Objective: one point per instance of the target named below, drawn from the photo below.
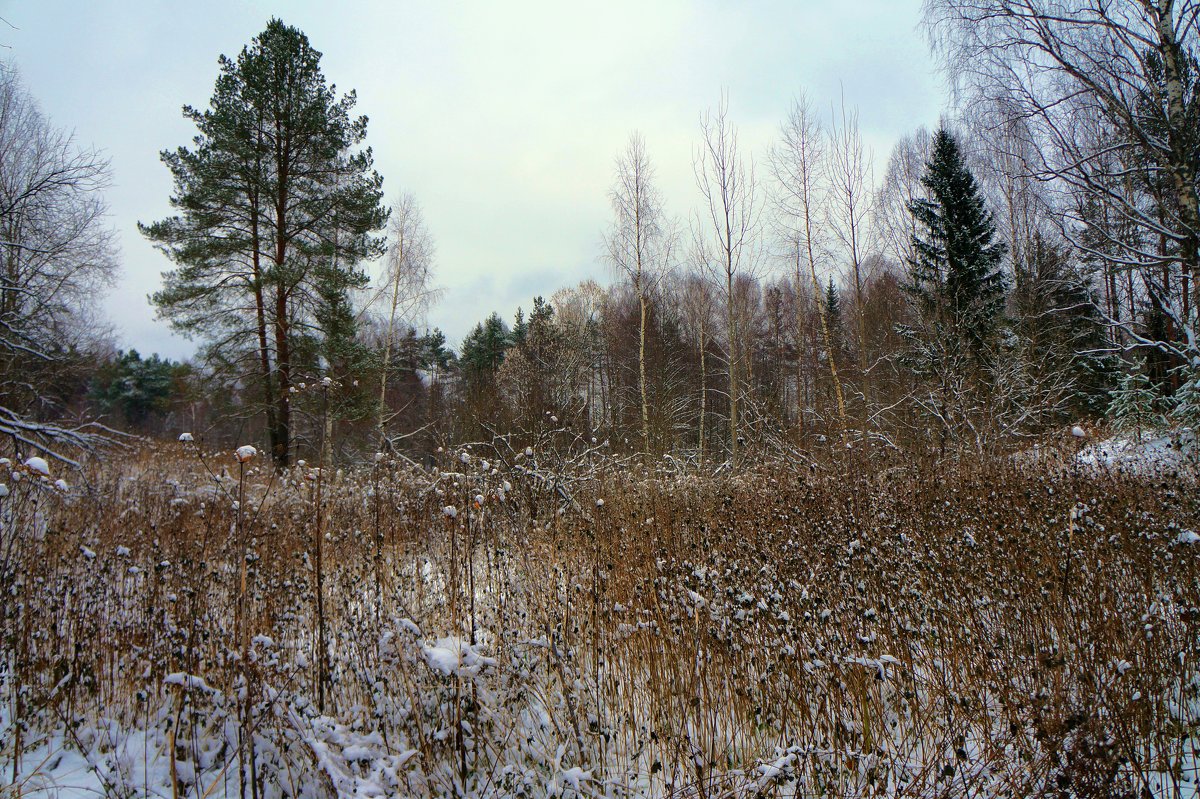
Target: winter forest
(863, 474)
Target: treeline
(1031, 263)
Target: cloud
(504, 119)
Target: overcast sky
(503, 119)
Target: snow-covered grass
(1147, 453)
(918, 631)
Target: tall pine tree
(275, 204)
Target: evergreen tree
(1185, 406)
(957, 290)
(275, 205)
(335, 319)
(955, 277)
(435, 356)
(1134, 405)
(1062, 338)
(483, 349)
(833, 317)
(136, 387)
(520, 329)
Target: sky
(503, 119)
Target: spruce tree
(955, 277)
(957, 290)
(1134, 405)
(1185, 406)
(833, 316)
(1063, 342)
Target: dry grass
(914, 631)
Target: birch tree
(799, 169)
(406, 288)
(639, 246)
(729, 218)
(1109, 92)
(849, 215)
(697, 307)
(57, 253)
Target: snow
(189, 681)
(186, 437)
(776, 769)
(450, 511)
(38, 465)
(452, 656)
(1151, 454)
(510, 692)
(1078, 432)
(245, 453)
(575, 775)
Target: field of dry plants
(517, 624)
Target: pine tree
(273, 199)
(483, 349)
(955, 277)
(435, 356)
(1134, 405)
(137, 387)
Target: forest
(1027, 266)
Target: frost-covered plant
(847, 633)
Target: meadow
(553, 621)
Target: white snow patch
(39, 465)
(452, 656)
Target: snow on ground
(1153, 453)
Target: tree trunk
(1182, 173)
(860, 312)
(731, 321)
(281, 441)
(387, 344)
(642, 376)
(260, 311)
(703, 386)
